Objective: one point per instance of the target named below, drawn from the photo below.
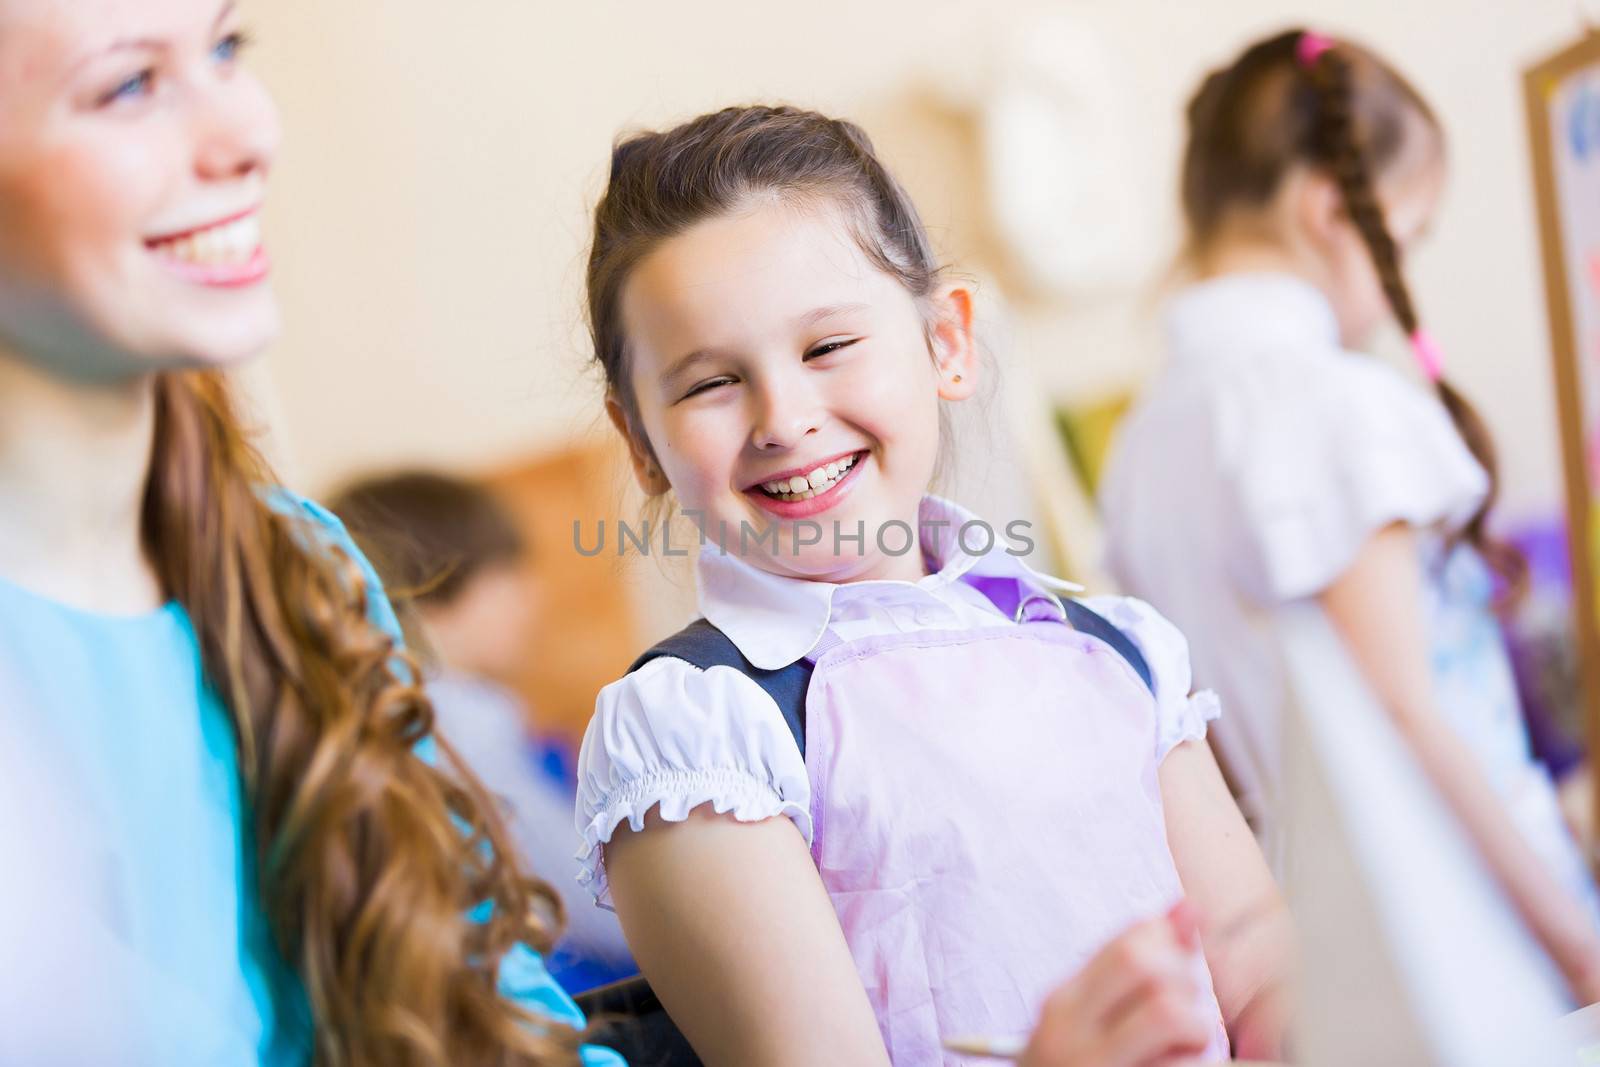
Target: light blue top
(148, 837)
(1472, 678)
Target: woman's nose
(237, 129)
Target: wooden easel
(1562, 94)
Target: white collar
(1246, 312)
(775, 621)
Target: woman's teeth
(231, 243)
(806, 486)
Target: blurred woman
(265, 870)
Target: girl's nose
(787, 411)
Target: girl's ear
(1319, 210)
(955, 352)
(649, 474)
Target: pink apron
(987, 817)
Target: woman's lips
(227, 254)
(223, 275)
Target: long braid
(1337, 143)
(1347, 157)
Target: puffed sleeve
(1181, 715)
(1321, 454)
(674, 736)
(329, 532)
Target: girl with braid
(1305, 470)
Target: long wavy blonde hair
(369, 859)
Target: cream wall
(429, 221)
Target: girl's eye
(829, 346)
(130, 88)
(227, 50)
(707, 386)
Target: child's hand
(1581, 965)
(1136, 1004)
(1258, 1034)
(1569, 937)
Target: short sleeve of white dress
(1324, 450)
(1181, 713)
(672, 736)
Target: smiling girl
(874, 799)
(244, 859)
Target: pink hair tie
(1311, 47)
(1429, 356)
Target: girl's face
(784, 383)
(134, 153)
(1410, 195)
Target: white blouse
(1251, 473)
(675, 736)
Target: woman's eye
(130, 88)
(829, 346)
(227, 50)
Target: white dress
(1250, 475)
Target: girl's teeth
(804, 487)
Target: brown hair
(368, 859)
(663, 183)
(428, 533)
(1348, 114)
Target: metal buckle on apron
(1022, 615)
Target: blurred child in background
(1273, 462)
(893, 788)
(457, 561)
